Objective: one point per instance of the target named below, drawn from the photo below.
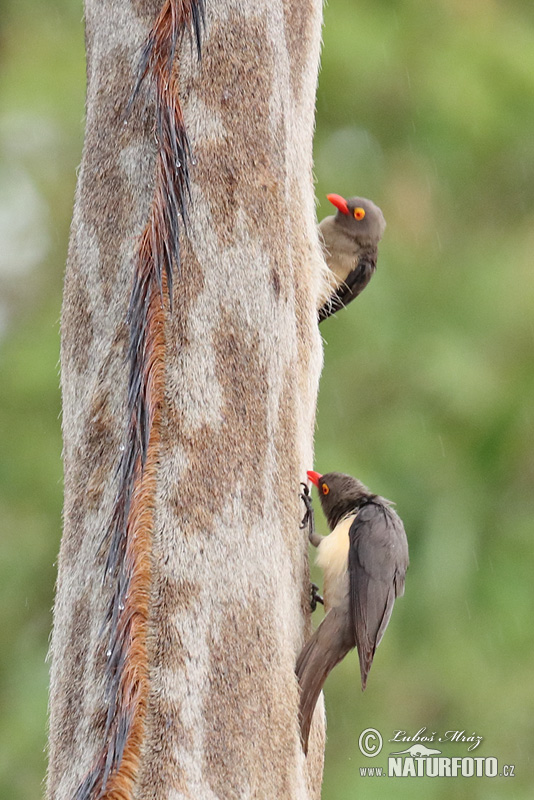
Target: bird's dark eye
(325, 488)
(359, 213)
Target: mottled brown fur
(250, 152)
(235, 682)
(235, 450)
(298, 28)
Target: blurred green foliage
(427, 388)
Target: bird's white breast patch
(333, 558)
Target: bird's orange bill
(339, 202)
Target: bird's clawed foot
(315, 597)
(308, 520)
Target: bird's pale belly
(342, 264)
(333, 557)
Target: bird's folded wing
(376, 557)
(352, 286)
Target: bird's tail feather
(326, 648)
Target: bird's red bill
(339, 202)
(314, 477)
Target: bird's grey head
(339, 494)
(359, 218)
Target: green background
(427, 388)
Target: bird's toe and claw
(315, 597)
(308, 520)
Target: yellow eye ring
(325, 488)
(359, 213)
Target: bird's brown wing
(352, 286)
(378, 559)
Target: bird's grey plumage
(376, 560)
(350, 248)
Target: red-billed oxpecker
(364, 561)
(350, 244)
